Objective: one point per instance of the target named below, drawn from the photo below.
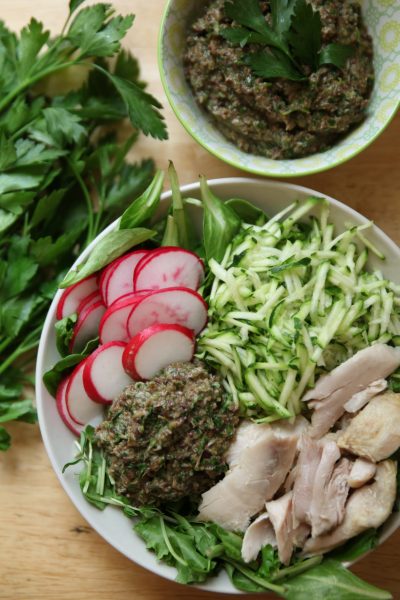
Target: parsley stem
(88, 200)
(31, 81)
(18, 352)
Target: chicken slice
(329, 507)
(258, 469)
(259, 534)
(375, 432)
(360, 399)
(368, 507)
(280, 513)
(306, 469)
(361, 473)
(334, 390)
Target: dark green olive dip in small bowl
(278, 117)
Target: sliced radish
(113, 325)
(63, 410)
(81, 408)
(169, 267)
(179, 306)
(120, 279)
(103, 280)
(104, 377)
(157, 347)
(87, 326)
(73, 296)
(89, 300)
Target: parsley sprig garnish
(64, 175)
(293, 41)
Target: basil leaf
(270, 64)
(246, 211)
(305, 33)
(144, 207)
(335, 54)
(64, 332)
(220, 223)
(331, 580)
(112, 246)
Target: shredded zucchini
(290, 300)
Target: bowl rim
(232, 162)
(47, 330)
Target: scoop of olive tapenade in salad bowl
(281, 88)
(216, 441)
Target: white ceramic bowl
(111, 524)
(382, 18)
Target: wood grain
(47, 551)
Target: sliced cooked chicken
(281, 516)
(360, 399)
(375, 432)
(368, 507)
(290, 479)
(319, 514)
(328, 508)
(258, 469)
(306, 469)
(335, 389)
(361, 473)
(259, 534)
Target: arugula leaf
(270, 64)
(144, 207)
(357, 546)
(112, 246)
(335, 54)
(220, 223)
(53, 376)
(331, 580)
(247, 212)
(305, 34)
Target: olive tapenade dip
(166, 439)
(279, 118)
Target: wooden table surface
(47, 551)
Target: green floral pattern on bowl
(383, 21)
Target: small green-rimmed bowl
(382, 18)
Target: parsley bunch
(63, 173)
(293, 41)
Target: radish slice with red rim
(104, 377)
(156, 347)
(121, 274)
(103, 280)
(179, 306)
(87, 326)
(73, 296)
(81, 408)
(113, 324)
(169, 267)
(63, 410)
(89, 300)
